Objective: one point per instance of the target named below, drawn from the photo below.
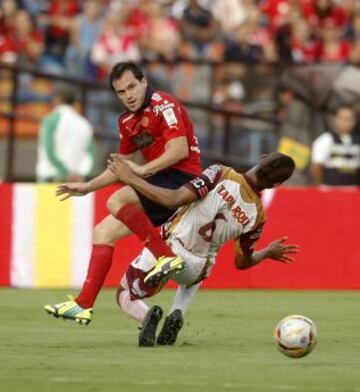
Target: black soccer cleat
(147, 335)
(172, 325)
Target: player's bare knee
(103, 235)
(112, 205)
(117, 200)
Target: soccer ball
(295, 336)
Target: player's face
(344, 121)
(130, 90)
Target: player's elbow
(240, 267)
(185, 152)
(182, 154)
(241, 262)
(172, 202)
(238, 262)
(169, 204)
(177, 202)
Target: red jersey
(66, 8)
(161, 119)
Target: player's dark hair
(274, 168)
(120, 68)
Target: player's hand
(65, 191)
(120, 167)
(141, 171)
(279, 251)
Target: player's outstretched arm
(170, 198)
(65, 191)
(276, 250)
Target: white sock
(136, 309)
(183, 297)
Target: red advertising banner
(322, 221)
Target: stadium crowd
(88, 37)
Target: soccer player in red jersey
(158, 126)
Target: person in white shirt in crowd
(336, 153)
(65, 146)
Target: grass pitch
(225, 345)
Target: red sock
(99, 265)
(139, 223)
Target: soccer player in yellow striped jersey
(218, 206)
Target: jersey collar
(147, 98)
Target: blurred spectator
(85, 29)
(355, 52)
(8, 10)
(19, 39)
(250, 41)
(135, 18)
(304, 47)
(58, 20)
(232, 13)
(28, 40)
(318, 12)
(174, 8)
(161, 38)
(352, 31)
(7, 49)
(65, 147)
(336, 154)
(114, 44)
(286, 32)
(34, 7)
(333, 48)
(241, 48)
(351, 9)
(199, 30)
(276, 12)
(261, 35)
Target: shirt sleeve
(48, 130)
(321, 148)
(206, 182)
(245, 244)
(127, 146)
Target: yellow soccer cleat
(165, 268)
(70, 310)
